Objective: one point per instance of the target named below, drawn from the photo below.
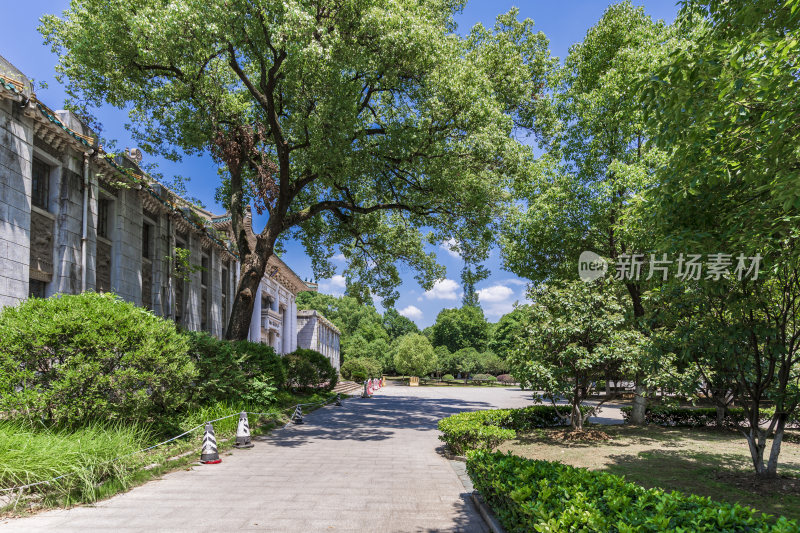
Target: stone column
(255, 319)
(293, 318)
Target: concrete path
(368, 466)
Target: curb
(486, 513)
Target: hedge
(692, 416)
(529, 495)
(487, 429)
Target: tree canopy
(367, 125)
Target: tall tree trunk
(253, 266)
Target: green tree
(467, 361)
(464, 327)
(726, 111)
(506, 331)
(597, 162)
(396, 325)
(414, 356)
(573, 334)
(355, 124)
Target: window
(147, 231)
(179, 284)
(147, 267)
(205, 264)
(36, 288)
(40, 189)
(225, 283)
(103, 208)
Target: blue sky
(564, 23)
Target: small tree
(574, 333)
(415, 355)
(467, 361)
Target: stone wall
(16, 153)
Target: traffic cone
(297, 417)
(338, 400)
(243, 433)
(209, 454)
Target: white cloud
(444, 289)
(496, 300)
(339, 257)
(449, 246)
(334, 286)
(515, 281)
(413, 312)
(495, 293)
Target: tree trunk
(775, 450)
(253, 265)
(721, 410)
(639, 405)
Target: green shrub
(487, 429)
(309, 369)
(506, 378)
(74, 358)
(528, 495)
(360, 368)
(693, 416)
(483, 377)
(448, 377)
(234, 370)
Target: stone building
(73, 218)
(316, 332)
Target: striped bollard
(209, 454)
(338, 400)
(243, 433)
(297, 417)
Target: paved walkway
(368, 466)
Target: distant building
(316, 332)
(73, 218)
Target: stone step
(346, 387)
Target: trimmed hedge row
(487, 429)
(693, 416)
(528, 495)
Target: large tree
(727, 112)
(356, 124)
(591, 124)
(464, 327)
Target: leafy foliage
(228, 369)
(573, 335)
(528, 495)
(72, 359)
(414, 355)
(464, 327)
(308, 369)
(362, 124)
(360, 369)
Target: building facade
(316, 332)
(73, 219)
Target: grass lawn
(701, 461)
